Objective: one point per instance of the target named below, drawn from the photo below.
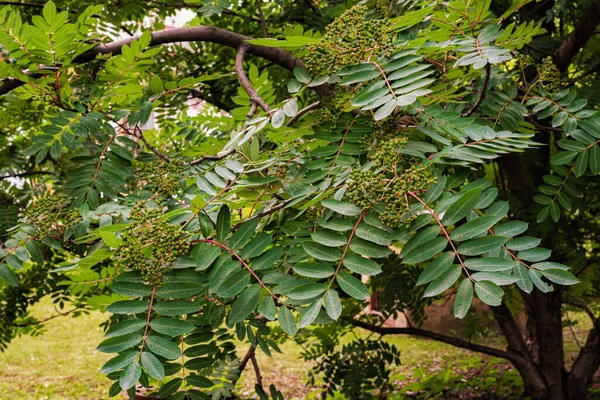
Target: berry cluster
(349, 40)
(550, 76)
(150, 244)
(162, 176)
(48, 213)
(389, 179)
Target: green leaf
(463, 299)
(332, 303)
(473, 228)
(313, 270)
(125, 327)
(120, 343)
(169, 388)
(482, 245)
(267, 308)
(172, 308)
(321, 252)
(245, 304)
(307, 291)
(267, 259)
(130, 375)
(153, 366)
(444, 281)
(287, 321)
(163, 347)
(111, 239)
(243, 234)
(435, 268)
(199, 381)
(329, 238)
(511, 228)
(523, 280)
(206, 256)
(8, 275)
(549, 265)
(462, 206)
(499, 278)
(560, 276)
(534, 255)
(310, 314)
(536, 278)
(368, 249)
(426, 251)
(223, 226)
(302, 75)
(178, 290)
(352, 286)
(360, 76)
(256, 246)
(171, 326)
(341, 207)
(131, 289)
(128, 307)
(373, 234)
(523, 243)
(420, 238)
(361, 265)
(595, 159)
(122, 360)
(489, 264)
(385, 111)
(234, 284)
(488, 292)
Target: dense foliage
(432, 146)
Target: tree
(383, 140)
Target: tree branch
(261, 15)
(305, 110)
(578, 38)
(584, 307)
(245, 82)
(482, 94)
(212, 158)
(193, 34)
(454, 341)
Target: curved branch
(245, 82)
(212, 158)
(454, 341)
(305, 110)
(193, 34)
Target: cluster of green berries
(163, 176)
(349, 40)
(332, 106)
(150, 244)
(550, 76)
(388, 181)
(48, 213)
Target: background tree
(420, 143)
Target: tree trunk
(584, 367)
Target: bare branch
(245, 82)
(584, 307)
(212, 158)
(482, 94)
(262, 18)
(193, 34)
(305, 110)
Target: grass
(62, 364)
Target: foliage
(204, 229)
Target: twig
(150, 147)
(262, 18)
(245, 82)
(264, 213)
(305, 110)
(212, 158)
(482, 94)
(256, 370)
(23, 174)
(41, 321)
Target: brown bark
(579, 37)
(194, 34)
(584, 367)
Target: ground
(62, 364)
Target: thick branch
(454, 341)
(245, 82)
(579, 37)
(305, 110)
(192, 34)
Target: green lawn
(62, 364)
